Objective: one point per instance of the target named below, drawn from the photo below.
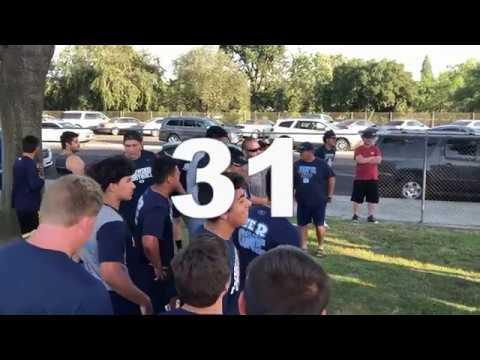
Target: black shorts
(28, 221)
(311, 214)
(365, 189)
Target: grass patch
(401, 269)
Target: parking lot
(108, 145)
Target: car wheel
(173, 138)
(155, 133)
(115, 131)
(410, 188)
(343, 145)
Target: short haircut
(70, 198)
(201, 271)
(163, 167)
(132, 135)
(286, 280)
(30, 143)
(216, 132)
(111, 170)
(67, 137)
(328, 134)
(238, 181)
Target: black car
(177, 129)
(452, 167)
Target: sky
(441, 56)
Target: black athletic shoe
(371, 219)
(355, 219)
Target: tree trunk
(23, 70)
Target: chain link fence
(431, 178)
(380, 118)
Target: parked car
(118, 125)
(312, 130)
(403, 124)
(455, 128)
(468, 123)
(52, 130)
(86, 119)
(453, 165)
(46, 154)
(153, 127)
(255, 129)
(324, 117)
(177, 129)
(355, 124)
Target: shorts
(365, 189)
(308, 214)
(160, 292)
(122, 306)
(28, 220)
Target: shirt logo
(307, 172)
(142, 174)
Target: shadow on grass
(439, 247)
(369, 287)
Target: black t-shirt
(310, 181)
(230, 300)
(142, 178)
(36, 281)
(327, 155)
(261, 233)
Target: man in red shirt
(365, 184)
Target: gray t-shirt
(107, 243)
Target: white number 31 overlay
(278, 157)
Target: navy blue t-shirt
(261, 233)
(36, 281)
(154, 217)
(310, 181)
(142, 178)
(27, 185)
(230, 299)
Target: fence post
(424, 185)
(366, 115)
(390, 116)
(151, 115)
(473, 115)
(255, 115)
(433, 119)
(351, 115)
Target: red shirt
(366, 171)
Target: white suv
(86, 119)
(312, 130)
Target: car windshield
(66, 125)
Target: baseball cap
(306, 146)
(368, 134)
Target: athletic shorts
(365, 189)
(309, 214)
(160, 292)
